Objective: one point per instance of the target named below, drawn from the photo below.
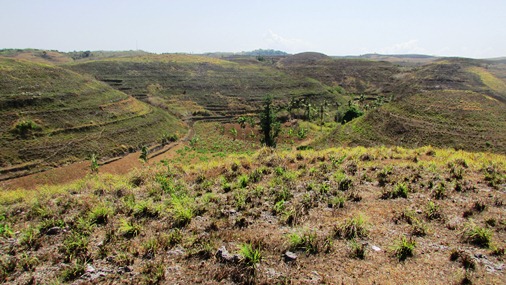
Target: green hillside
(51, 116)
(451, 103)
(223, 88)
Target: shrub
(404, 248)
(24, 127)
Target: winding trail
(78, 170)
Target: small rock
(290, 256)
(224, 256)
(53, 231)
(90, 269)
(375, 248)
(177, 251)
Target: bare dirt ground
(78, 170)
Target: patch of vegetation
(404, 248)
(353, 228)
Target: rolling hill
(457, 103)
(51, 116)
(222, 88)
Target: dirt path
(78, 170)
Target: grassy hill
(51, 116)
(456, 103)
(222, 88)
(341, 215)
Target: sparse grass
(129, 228)
(404, 248)
(305, 240)
(165, 215)
(100, 214)
(251, 255)
(353, 228)
(357, 250)
(400, 190)
(73, 271)
(477, 235)
(432, 211)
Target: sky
(467, 28)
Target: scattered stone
(176, 251)
(290, 256)
(53, 231)
(224, 256)
(90, 268)
(375, 248)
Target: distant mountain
(265, 52)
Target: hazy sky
(471, 28)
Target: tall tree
(268, 123)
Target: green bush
(24, 127)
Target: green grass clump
(305, 241)
(251, 255)
(352, 228)
(182, 210)
(100, 214)
(400, 190)
(129, 229)
(404, 248)
(75, 270)
(5, 229)
(357, 250)
(337, 201)
(75, 247)
(433, 211)
(477, 235)
(343, 181)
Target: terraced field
(51, 116)
(223, 88)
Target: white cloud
(278, 42)
(409, 47)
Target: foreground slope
(52, 116)
(342, 215)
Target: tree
(268, 123)
(321, 112)
(144, 154)
(94, 163)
